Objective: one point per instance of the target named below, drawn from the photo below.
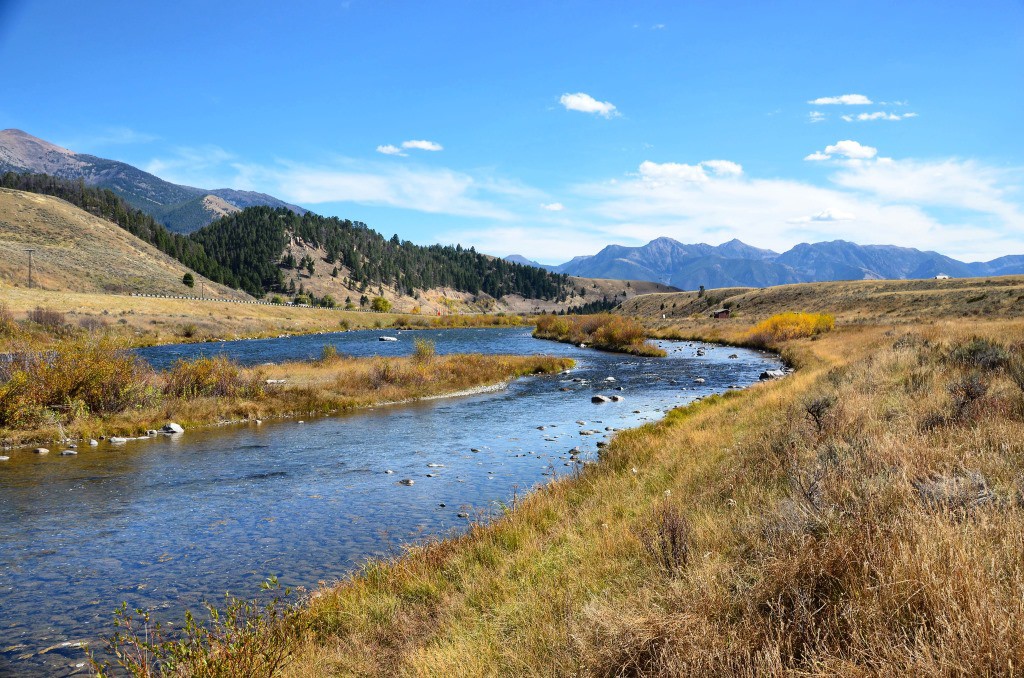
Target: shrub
(329, 355)
(245, 638)
(606, 331)
(91, 324)
(789, 325)
(380, 305)
(76, 377)
(981, 353)
(8, 327)
(188, 330)
(423, 351)
(217, 376)
(47, 318)
(667, 537)
(384, 372)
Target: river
(167, 523)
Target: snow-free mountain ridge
(182, 209)
(736, 264)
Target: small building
(720, 313)
(942, 276)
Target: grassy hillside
(81, 252)
(860, 301)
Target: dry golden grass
(604, 331)
(88, 387)
(854, 518)
(75, 250)
(860, 301)
(146, 321)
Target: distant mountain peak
(737, 264)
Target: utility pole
(202, 290)
(30, 251)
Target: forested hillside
(249, 250)
(252, 244)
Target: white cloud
(879, 115)
(673, 172)
(723, 168)
(816, 116)
(423, 145)
(962, 184)
(657, 27)
(844, 99)
(849, 149)
(390, 149)
(670, 172)
(553, 206)
(760, 211)
(587, 104)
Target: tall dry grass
(93, 385)
(810, 526)
(604, 331)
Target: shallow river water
(167, 523)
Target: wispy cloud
(110, 136)
(843, 100)
(552, 206)
(201, 166)
(390, 149)
(587, 104)
(878, 115)
(824, 215)
(817, 116)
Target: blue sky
(551, 129)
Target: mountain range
(181, 209)
(736, 264)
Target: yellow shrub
(784, 326)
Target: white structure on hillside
(942, 276)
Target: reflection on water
(167, 523)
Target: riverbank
(603, 331)
(859, 515)
(148, 321)
(92, 388)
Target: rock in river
(171, 427)
(600, 399)
(41, 450)
(407, 481)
